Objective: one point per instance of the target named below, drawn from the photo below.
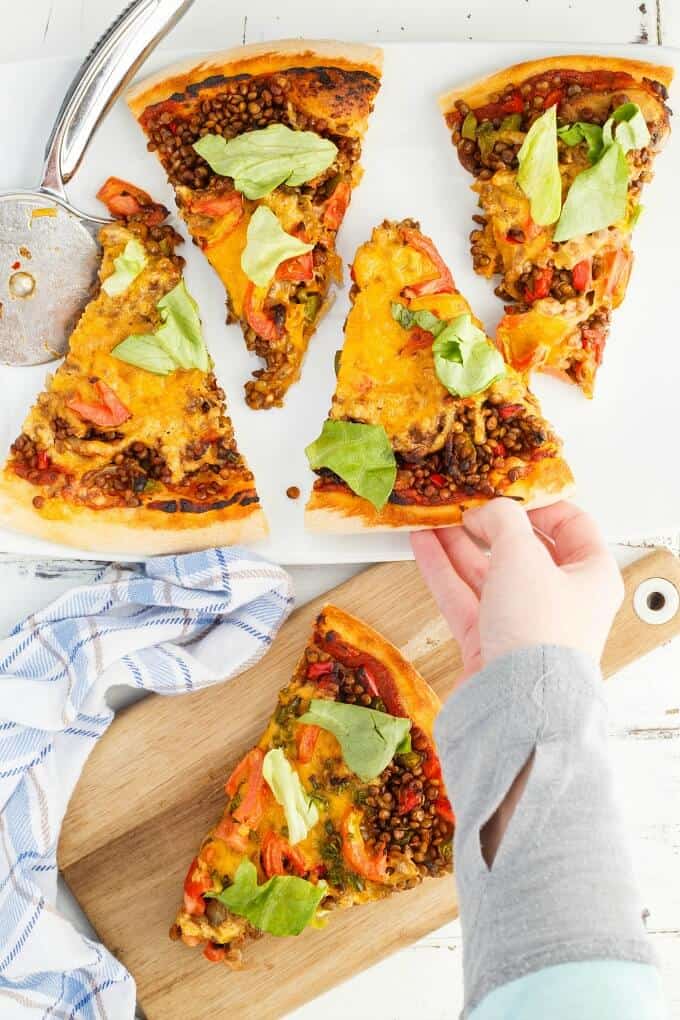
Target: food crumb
(293, 492)
(24, 252)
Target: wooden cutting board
(154, 785)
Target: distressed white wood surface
(645, 699)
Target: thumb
(496, 520)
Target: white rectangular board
(622, 446)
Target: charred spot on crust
(188, 506)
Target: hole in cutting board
(656, 600)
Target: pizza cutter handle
(103, 75)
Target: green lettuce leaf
(261, 160)
(628, 127)
(465, 361)
(127, 267)
(597, 198)
(300, 811)
(284, 905)
(539, 172)
(360, 454)
(177, 343)
(267, 246)
(574, 134)
(369, 739)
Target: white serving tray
(623, 446)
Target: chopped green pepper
(312, 305)
(469, 128)
(513, 122)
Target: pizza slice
(427, 420)
(262, 146)
(129, 446)
(560, 149)
(340, 803)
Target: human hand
(561, 589)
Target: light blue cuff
(592, 990)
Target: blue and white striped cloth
(177, 624)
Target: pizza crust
(255, 58)
(476, 93)
(420, 701)
(342, 512)
(133, 531)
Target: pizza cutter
(48, 249)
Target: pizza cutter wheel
(48, 250)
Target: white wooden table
(645, 700)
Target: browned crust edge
(342, 512)
(474, 93)
(135, 531)
(255, 58)
(420, 701)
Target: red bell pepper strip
(249, 770)
(317, 669)
(280, 858)
(195, 884)
(231, 202)
(214, 953)
(111, 411)
(593, 339)
(407, 800)
(509, 411)
(258, 319)
(513, 104)
(444, 809)
(229, 831)
(617, 268)
(297, 270)
(336, 206)
(370, 681)
(552, 99)
(354, 852)
(580, 275)
(42, 461)
(123, 199)
(541, 285)
(431, 766)
(305, 739)
(439, 480)
(442, 283)
(418, 340)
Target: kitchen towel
(175, 624)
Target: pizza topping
(249, 808)
(306, 738)
(369, 739)
(355, 853)
(177, 343)
(539, 172)
(280, 858)
(336, 206)
(215, 217)
(465, 360)
(126, 201)
(597, 198)
(127, 267)
(268, 245)
(233, 833)
(359, 454)
(301, 812)
(581, 131)
(260, 161)
(269, 327)
(581, 275)
(197, 882)
(109, 412)
(442, 283)
(283, 905)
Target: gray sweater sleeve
(561, 888)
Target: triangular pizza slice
(427, 420)
(262, 146)
(560, 149)
(340, 803)
(129, 447)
